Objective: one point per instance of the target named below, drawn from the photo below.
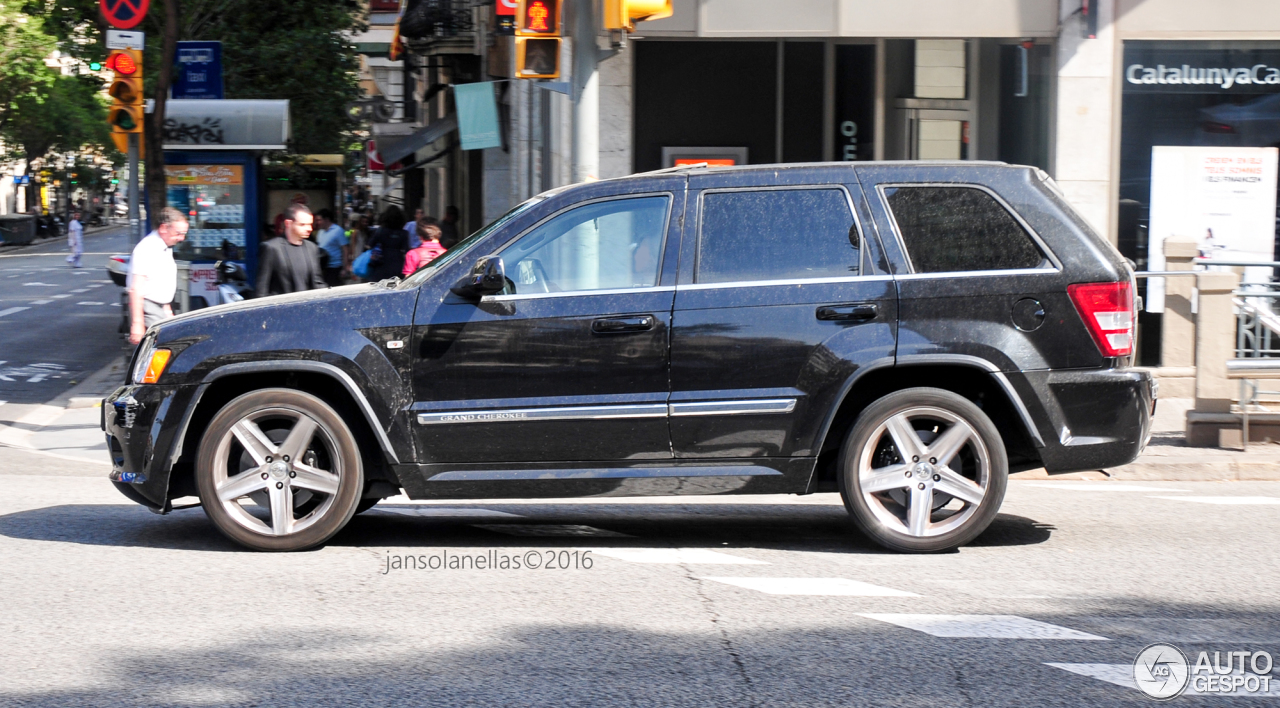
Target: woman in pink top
(425, 253)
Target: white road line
(59, 297)
(445, 512)
(813, 586)
(40, 285)
(551, 530)
(80, 290)
(41, 302)
(2, 402)
(12, 310)
(39, 417)
(1098, 487)
(91, 303)
(94, 285)
(694, 556)
(983, 626)
(1122, 675)
(1228, 501)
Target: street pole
(135, 232)
(586, 93)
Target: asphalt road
(57, 323)
(771, 601)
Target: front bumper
(144, 427)
(1090, 419)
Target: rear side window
(948, 229)
(781, 234)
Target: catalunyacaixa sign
(1156, 67)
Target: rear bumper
(1090, 419)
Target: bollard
(1215, 341)
(1177, 341)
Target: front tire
(279, 470)
(923, 470)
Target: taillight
(1108, 311)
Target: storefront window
(1199, 132)
(212, 197)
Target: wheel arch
(323, 380)
(971, 377)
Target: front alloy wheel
(923, 470)
(278, 470)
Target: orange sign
(711, 161)
(179, 175)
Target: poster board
(1224, 198)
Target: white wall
(1087, 109)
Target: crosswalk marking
(80, 290)
(59, 297)
(41, 302)
(550, 530)
(91, 303)
(813, 586)
(1098, 487)
(1122, 675)
(983, 626)
(693, 556)
(1229, 501)
(12, 310)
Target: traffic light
(624, 14)
(126, 113)
(538, 32)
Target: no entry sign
(124, 14)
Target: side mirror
(487, 277)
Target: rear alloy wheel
(923, 470)
(278, 470)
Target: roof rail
(677, 168)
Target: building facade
(1083, 89)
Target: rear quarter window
(950, 229)
(777, 234)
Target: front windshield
(462, 246)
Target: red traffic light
(122, 63)
(539, 18)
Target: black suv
(907, 333)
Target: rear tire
(923, 470)
(279, 470)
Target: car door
(782, 298)
(570, 362)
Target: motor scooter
(233, 283)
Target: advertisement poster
(1224, 198)
(204, 174)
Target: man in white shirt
(75, 239)
(153, 276)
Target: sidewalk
(88, 231)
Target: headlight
(150, 363)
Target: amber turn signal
(159, 360)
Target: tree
(271, 49)
(66, 115)
(23, 48)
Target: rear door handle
(860, 312)
(620, 325)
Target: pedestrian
(335, 246)
(411, 228)
(278, 224)
(290, 264)
(357, 234)
(425, 253)
(449, 227)
(75, 239)
(153, 276)
(389, 243)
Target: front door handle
(620, 325)
(859, 312)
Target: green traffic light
(115, 181)
(95, 66)
(124, 121)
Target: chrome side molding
(644, 410)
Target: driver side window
(612, 245)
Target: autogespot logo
(1161, 671)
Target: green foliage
(64, 115)
(23, 47)
(272, 49)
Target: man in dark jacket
(290, 264)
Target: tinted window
(777, 235)
(949, 229)
(602, 246)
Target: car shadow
(794, 527)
